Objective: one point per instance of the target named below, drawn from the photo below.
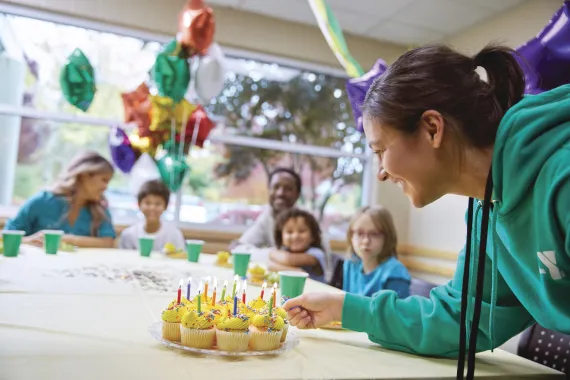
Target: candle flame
(264, 285)
(274, 285)
(181, 283)
(244, 285)
(225, 283)
(215, 282)
(236, 278)
(189, 279)
(200, 287)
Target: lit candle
(235, 305)
(271, 301)
(274, 295)
(236, 278)
(244, 288)
(179, 292)
(206, 288)
(263, 290)
(199, 295)
(224, 291)
(188, 288)
(214, 293)
(199, 301)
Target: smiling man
(284, 191)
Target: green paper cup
(241, 263)
(52, 241)
(145, 245)
(193, 249)
(292, 283)
(12, 241)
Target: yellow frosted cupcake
(197, 329)
(257, 273)
(283, 314)
(183, 301)
(266, 331)
(171, 318)
(257, 304)
(232, 333)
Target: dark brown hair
(438, 78)
(291, 172)
(154, 187)
(294, 213)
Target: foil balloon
(122, 152)
(210, 74)
(77, 80)
(171, 75)
(164, 111)
(199, 119)
(545, 59)
(356, 89)
(196, 27)
(148, 144)
(137, 108)
(143, 170)
(173, 169)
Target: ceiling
(403, 22)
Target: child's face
(152, 207)
(296, 235)
(367, 240)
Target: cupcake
(222, 258)
(171, 318)
(257, 304)
(183, 302)
(257, 273)
(197, 329)
(283, 314)
(266, 331)
(232, 333)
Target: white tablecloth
(59, 322)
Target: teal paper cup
(193, 249)
(52, 241)
(292, 283)
(241, 263)
(146, 243)
(12, 241)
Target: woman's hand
(314, 310)
(36, 239)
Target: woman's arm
(276, 267)
(293, 259)
(88, 241)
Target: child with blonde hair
(373, 265)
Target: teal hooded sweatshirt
(527, 272)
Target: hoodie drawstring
(473, 264)
(494, 275)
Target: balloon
(148, 144)
(546, 58)
(211, 73)
(163, 111)
(196, 27)
(122, 152)
(205, 126)
(77, 80)
(137, 108)
(172, 170)
(171, 75)
(143, 170)
(356, 89)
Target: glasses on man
(361, 235)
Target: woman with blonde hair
(373, 265)
(75, 204)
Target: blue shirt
(390, 275)
(46, 211)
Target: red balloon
(196, 27)
(205, 126)
(137, 109)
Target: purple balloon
(122, 153)
(546, 58)
(356, 89)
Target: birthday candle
(236, 278)
(263, 290)
(199, 301)
(244, 288)
(188, 288)
(274, 296)
(235, 305)
(206, 288)
(271, 301)
(179, 292)
(224, 291)
(214, 293)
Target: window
(271, 115)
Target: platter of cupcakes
(258, 275)
(230, 327)
(223, 259)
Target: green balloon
(172, 170)
(171, 75)
(173, 48)
(77, 80)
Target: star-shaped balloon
(164, 110)
(196, 27)
(137, 108)
(171, 75)
(173, 169)
(199, 119)
(77, 80)
(122, 152)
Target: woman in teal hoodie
(444, 123)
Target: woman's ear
(432, 125)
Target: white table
(53, 327)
